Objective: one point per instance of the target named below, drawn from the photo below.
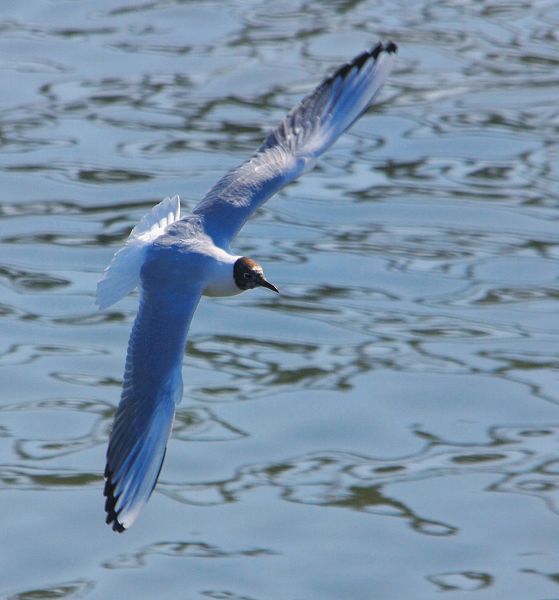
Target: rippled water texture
(389, 426)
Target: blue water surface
(388, 427)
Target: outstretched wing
(152, 387)
(307, 131)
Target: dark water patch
(24, 280)
(79, 588)
(181, 550)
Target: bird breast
(221, 281)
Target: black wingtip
(110, 504)
(343, 70)
(118, 527)
(391, 47)
(376, 50)
(361, 59)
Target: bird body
(186, 245)
(174, 260)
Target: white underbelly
(220, 281)
(221, 288)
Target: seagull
(175, 260)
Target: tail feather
(123, 274)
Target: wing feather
(152, 388)
(307, 131)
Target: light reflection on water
(388, 426)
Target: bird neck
(221, 281)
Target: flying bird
(175, 260)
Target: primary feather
(307, 131)
(152, 387)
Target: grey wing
(307, 131)
(152, 387)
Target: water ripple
(78, 588)
(518, 457)
(424, 248)
(180, 550)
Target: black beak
(268, 285)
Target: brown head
(248, 274)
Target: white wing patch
(123, 274)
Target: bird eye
(246, 275)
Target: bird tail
(123, 274)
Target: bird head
(249, 274)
